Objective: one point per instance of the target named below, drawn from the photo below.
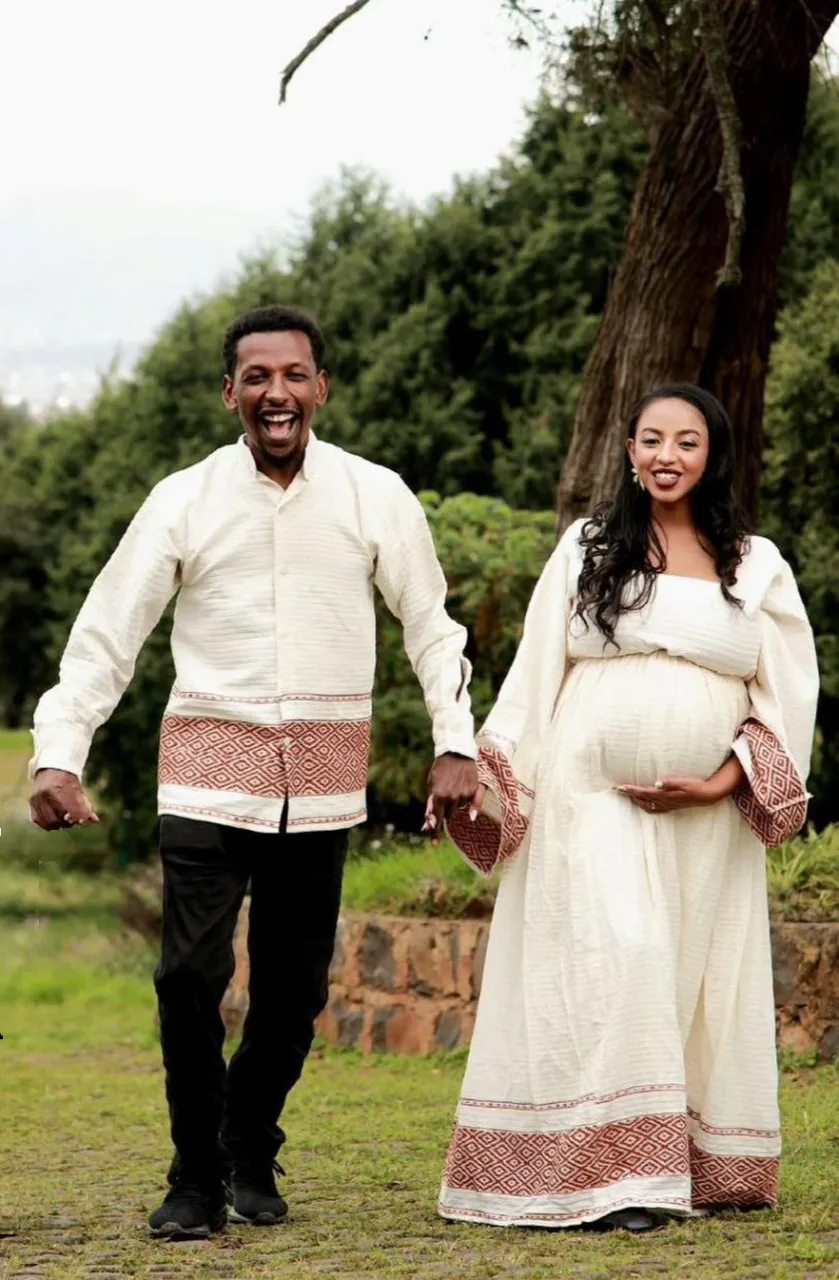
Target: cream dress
(624, 1051)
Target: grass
(414, 878)
(15, 750)
(84, 1149)
(84, 1145)
(83, 1136)
(803, 877)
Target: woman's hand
(671, 794)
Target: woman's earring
(636, 477)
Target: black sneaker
(189, 1212)
(256, 1200)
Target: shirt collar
(310, 457)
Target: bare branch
(543, 24)
(316, 41)
(712, 33)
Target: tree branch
(316, 41)
(730, 183)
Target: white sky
(148, 151)
(144, 151)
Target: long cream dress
(624, 1051)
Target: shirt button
(283, 568)
(286, 744)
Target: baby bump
(637, 718)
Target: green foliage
(803, 876)
(813, 236)
(492, 556)
(413, 878)
(801, 489)
(458, 335)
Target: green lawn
(15, 750)
(84, 1147)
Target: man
(274, 545)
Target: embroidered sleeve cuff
(499, 829)
(773, 800)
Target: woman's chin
(667, 497)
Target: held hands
(58, 801)
(452, 784)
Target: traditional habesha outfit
(624, 1052)
(264, 747)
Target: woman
(652, 735)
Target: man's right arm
(122, 607)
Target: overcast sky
(148, 151)
(144, 151)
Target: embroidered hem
(515, 1177)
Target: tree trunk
(665, 317)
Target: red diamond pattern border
(502, 1162)
(298, 758)
(774, 801)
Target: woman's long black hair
(619, 537)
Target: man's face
(276, 390)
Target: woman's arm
(669, 794)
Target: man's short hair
(271, 320)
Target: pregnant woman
(651, 738)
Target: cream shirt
(273, 638)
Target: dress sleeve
(511, 739)
(775, 742)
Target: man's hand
(452, 783)
(57, 801)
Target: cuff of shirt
(65, 749)
(457, 739)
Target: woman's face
(670, 449)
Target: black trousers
(228, 1115)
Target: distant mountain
(87, 276)
(50, 376)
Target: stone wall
(402, 985)
(805, 959)
(411, 986)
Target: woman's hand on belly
(670, 794)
